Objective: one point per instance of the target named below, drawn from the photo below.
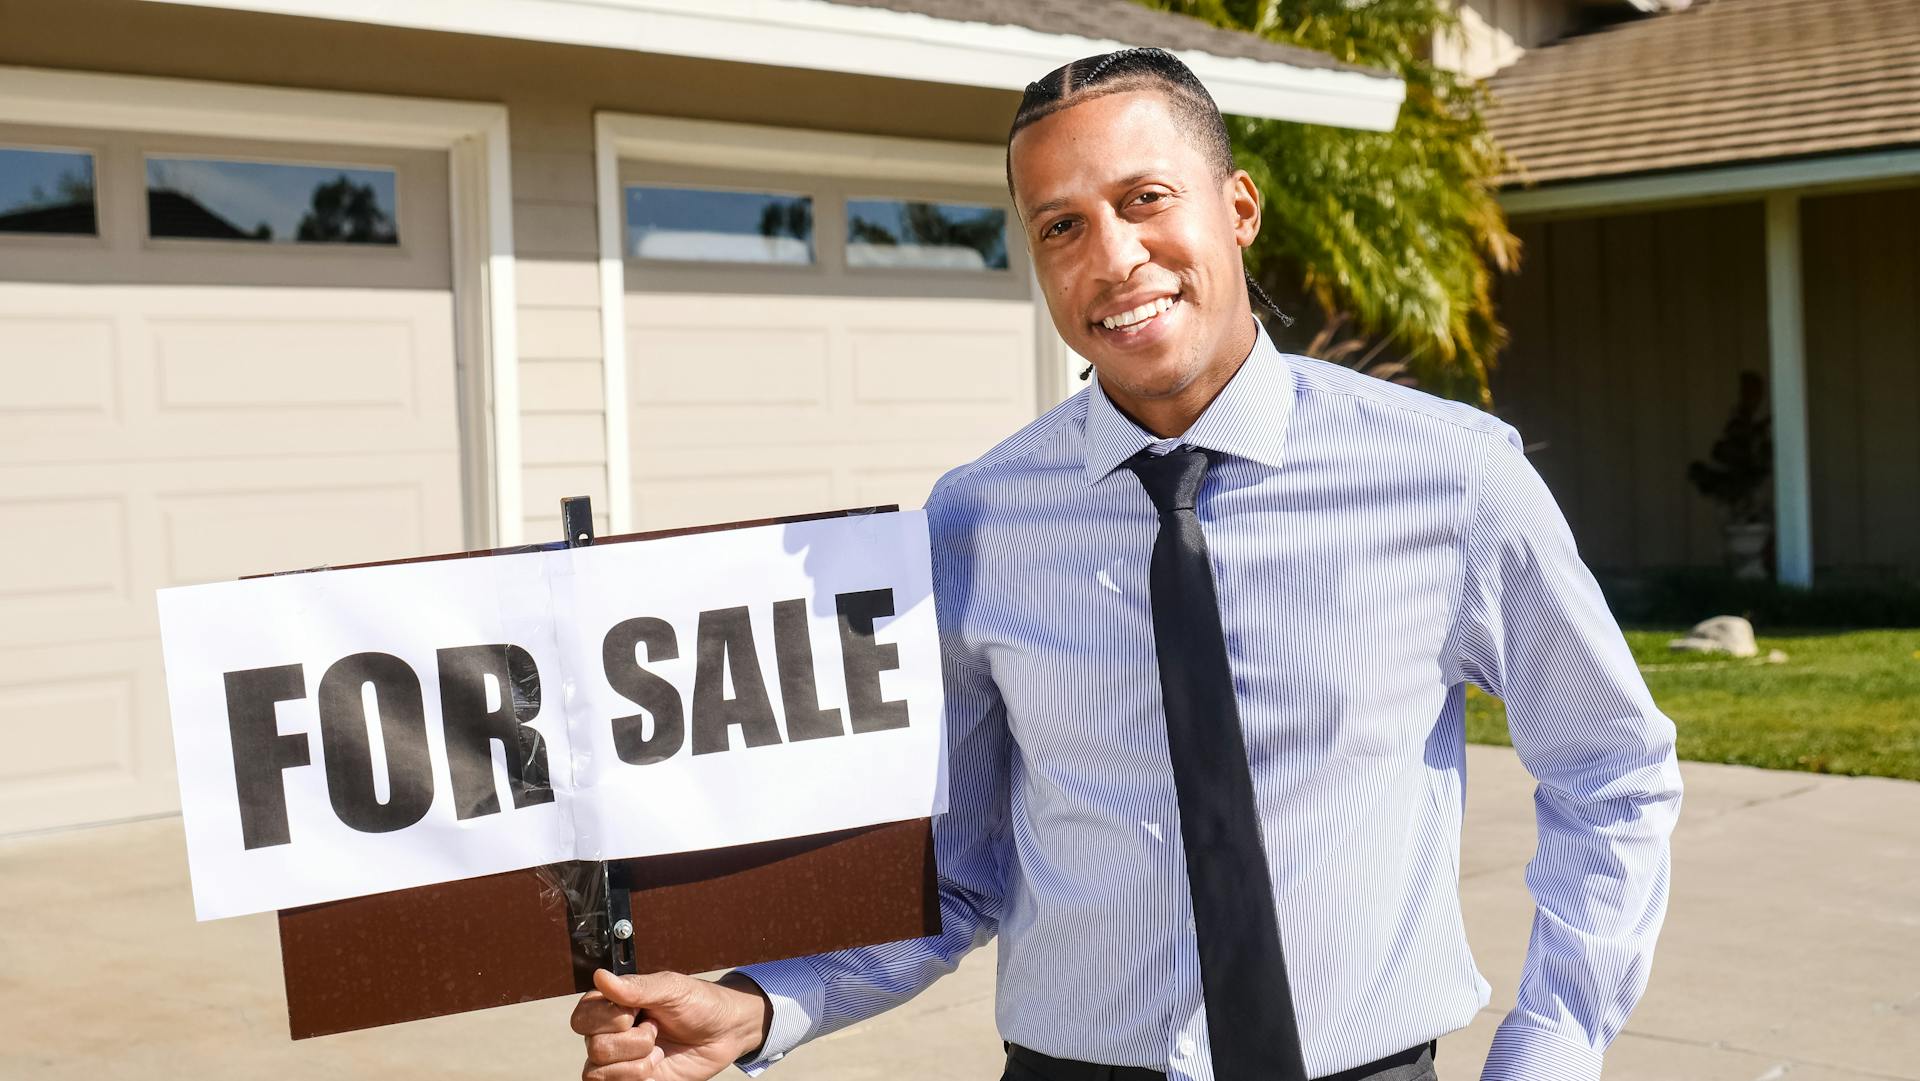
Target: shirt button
(1189, 923)
(1187, 1047)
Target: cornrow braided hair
(1125, 71)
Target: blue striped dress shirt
(1376, 549)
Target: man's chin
(1146, 379)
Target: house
(294, 282)
(1703, 190)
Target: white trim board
(481, 198)
(609, 209)
(824, 36)
(1734, 183)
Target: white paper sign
(349, 732)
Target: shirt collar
(1247, 419)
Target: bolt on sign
(373, 729)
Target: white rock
(1721, 634)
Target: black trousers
(1023, 1064)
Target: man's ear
(1244, 199)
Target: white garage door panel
(181, 411)
(931, 368)
(782, 368)
(86, 728)
(113, 372)
(87, 544)
(82, 693)
(817, 402)
(94, 733)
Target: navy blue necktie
(1250, 1021)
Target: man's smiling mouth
(1135, 318)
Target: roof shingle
(1724, 81)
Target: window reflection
(944, 236)
(702, 225)
(210, 199)
(47, 191)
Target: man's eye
(1148, 197)
(1059, 227)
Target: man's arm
(1534, 630)
(812, 996)
(672, 1027)
(815, 995)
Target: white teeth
(1138, 315)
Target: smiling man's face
(1136, 241)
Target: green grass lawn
(1844, 702)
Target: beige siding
(551, 93)
(1863, 379)
(1628, 336)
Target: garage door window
(270, 202)
(47, 192)
(713, 226)
(925, 236)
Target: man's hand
(667, 1027)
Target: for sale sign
(358, 731)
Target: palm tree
(1397, 234)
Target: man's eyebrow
(1047, 207)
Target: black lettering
(472, 729)
(725, 645)
(260, 752)
(650, 692)
(863, 660)
(403, 735)
(793, 656)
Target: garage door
(216, 358)
(799, 343)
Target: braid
(1265, 301)
(1113, 58)
(1143, 68)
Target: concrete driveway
(1791, 953)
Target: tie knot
(1172, 480)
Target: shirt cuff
(797, 994)
(1521, 1052)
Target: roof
(1723, 82)
(997, 44)
(1123, 20)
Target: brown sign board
(538, 933)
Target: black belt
(1066, 1069)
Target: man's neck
(1167, 417)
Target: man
(1207, 628)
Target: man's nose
(1118, 250)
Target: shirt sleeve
(815, 995)
(1534, 630)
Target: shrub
(1683, 596)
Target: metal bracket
(620, 953)
(576, 523)
(576, 520)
